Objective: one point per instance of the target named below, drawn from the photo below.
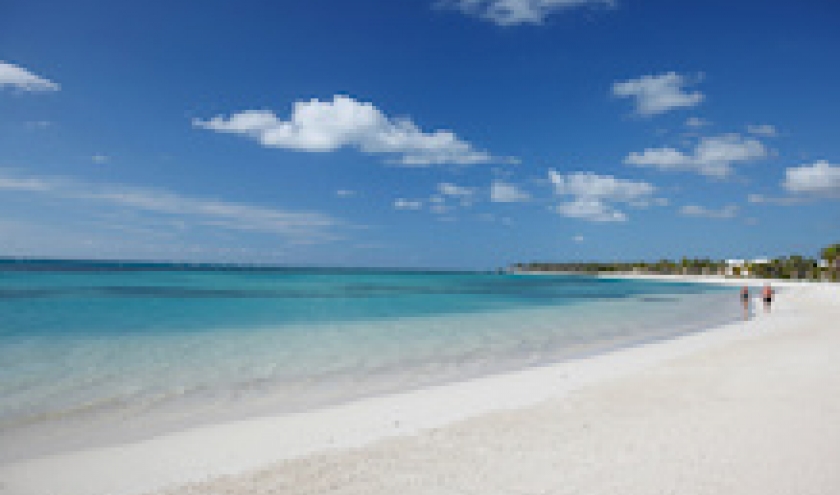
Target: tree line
(794, 267)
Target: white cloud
(491, 218)
(447, 198)
(658, 94)
(726, 212)
(820, 179)
(298, 227)
(764, 130)
(696, 122)
(466, 195)
(593, 210)
(578, 238)
(449, 189)
(504, 192)
(23, 80)
(407, 204)
(100, 159)
(516, 12)
(440, 208)
(712, 157)
(38, 124)
(602, 186)
(593, 196)
(345, 193)
(322, 126)
(783, 201)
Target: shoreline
(528, 327)
(721, 280)
(700, 279)
(239, 447)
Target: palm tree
(830, 254)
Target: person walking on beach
(745, 300)
(767, 297)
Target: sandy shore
(748, 408)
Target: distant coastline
(825, 268)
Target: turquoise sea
(92, 353)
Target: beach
(747, 407)
(440, 247)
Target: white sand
(749, 408)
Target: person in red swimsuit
(767, 297)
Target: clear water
(95, 355)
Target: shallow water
(91, 356)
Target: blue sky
(425, 133)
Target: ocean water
(95, 353)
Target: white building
(735, 266)
(742, 267)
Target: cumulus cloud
(21, 79)
(820, 179)
(592, 197)
(696, 122)
(450, 196)
(464, 195)
(656, 94)
(594, 210)
(440, 208)
(446, 198)
(517, 12)
(505, 192)
(781, 201)
(712, 157)
(296, 226)
(407, 204)
(764, 130)
(323, 126)
(728, 211)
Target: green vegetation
(831, 254)
(794, 267)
